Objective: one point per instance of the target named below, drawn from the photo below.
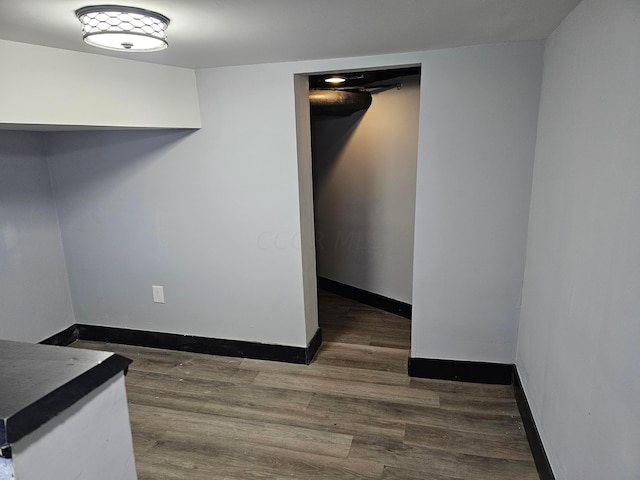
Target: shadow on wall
(327, 153)
(331, 149)
(105, 159)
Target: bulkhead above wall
(49, 88)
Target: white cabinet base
(91, 440)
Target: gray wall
(34, 291)
(365, 187)
(214, 215)
(211, 215)
(479, 109)
(579, 340)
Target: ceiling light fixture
(335, 79)
(123, 28)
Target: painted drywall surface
(213, 216)
(305, 185)
(89, 440)
(49, 86)
(578, 352)
(479, 109)
(364, 184)
(35, 301)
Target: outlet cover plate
(158, 293)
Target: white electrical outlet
(158, 293)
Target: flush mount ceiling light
(335, 79)
(123, 28)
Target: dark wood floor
(353, 414)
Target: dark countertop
(38, 382)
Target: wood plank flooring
(352, 414)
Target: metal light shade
(123, 28)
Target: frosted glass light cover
(123, 28)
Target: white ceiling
(211, 33)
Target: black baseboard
(188, 343)
(373, 299)
(461, 371)
(63, 338)
(533, 436)
(313, 347)
(493, 373)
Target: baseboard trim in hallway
(188, 343)
(368, 298)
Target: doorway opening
(364, 140)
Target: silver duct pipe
(339, 103)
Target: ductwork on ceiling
(355, 92)
(339, 103)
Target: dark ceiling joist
(362, 79)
